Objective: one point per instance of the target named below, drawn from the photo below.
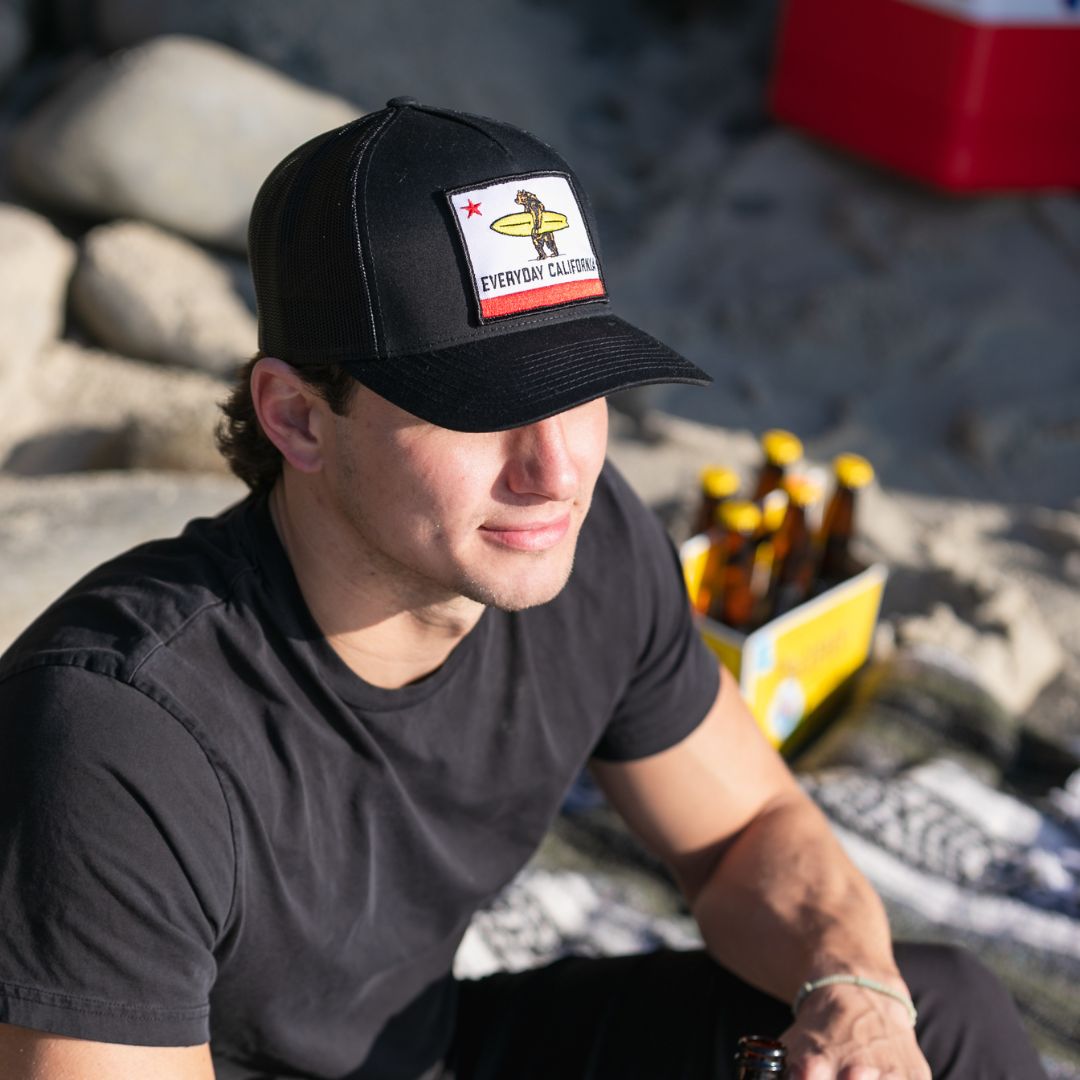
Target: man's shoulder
(119, 613)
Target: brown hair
(240, 437)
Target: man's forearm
(784, 904)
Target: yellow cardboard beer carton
(789, 666)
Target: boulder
(1059, 216)
(14, 38)
(475, 59)
(54, 529)
(993, 624)
(35, 264)
(150, 294)
(178, 131)
(82, 409)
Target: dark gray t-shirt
(210, 828)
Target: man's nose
(541, 461)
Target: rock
(55, 529)
(179, 131)
(997, 629)
(35, 263)
(83, 409)
(14, 39)
(781, 172)
(149, 294)
(1059, 215)
(368, 52)
(917, 704)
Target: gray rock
(35, 263)
(80, 409)
(1059, 216)
(152, 295)
(993, 624)
(54, 530)
(472, 59)
(179, 131)
(14, 39)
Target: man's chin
(519, 595)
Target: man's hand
(850, 1033)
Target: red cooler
(969, 95)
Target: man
(255, 780)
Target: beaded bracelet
(854, 980)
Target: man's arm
(36, 1055)
(777, 899)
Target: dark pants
(677, 1016)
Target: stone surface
(14, 39)
(1012, 652)
(101, 145)
(1059, 214)
(471, 58)
(149, 294)
(969, 586)
(35, 264)
(83, 409)
(54, 530)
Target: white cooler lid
(1012, 12)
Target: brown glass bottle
(794, 561)
(838, 524)
(780, 450)
(725, 591)
(759, 1058)
(717, 484)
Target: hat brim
(510, 380)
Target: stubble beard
(511, 599)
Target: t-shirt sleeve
(674, 677)
(116, 862)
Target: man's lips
(538, 536)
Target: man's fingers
(815, 1067)
(820, 1067)
(861, 1072)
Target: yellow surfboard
(522, 224)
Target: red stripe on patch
(545, 296)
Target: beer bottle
(773, 509)
(838, 525)
(725, 593)
(759, 1058)
(793, 550)
(781, 450)
(717, 484)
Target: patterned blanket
(955, 854)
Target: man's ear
(293, 416)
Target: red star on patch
(473, 208)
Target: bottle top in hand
(760, 1058)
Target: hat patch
(527, 245)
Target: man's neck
(385, 631)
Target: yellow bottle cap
(801, 490)
(852, 470)
(718, 481)
(739, 516)
(781, 447)
(773, 509)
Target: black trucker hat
(449, 263)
